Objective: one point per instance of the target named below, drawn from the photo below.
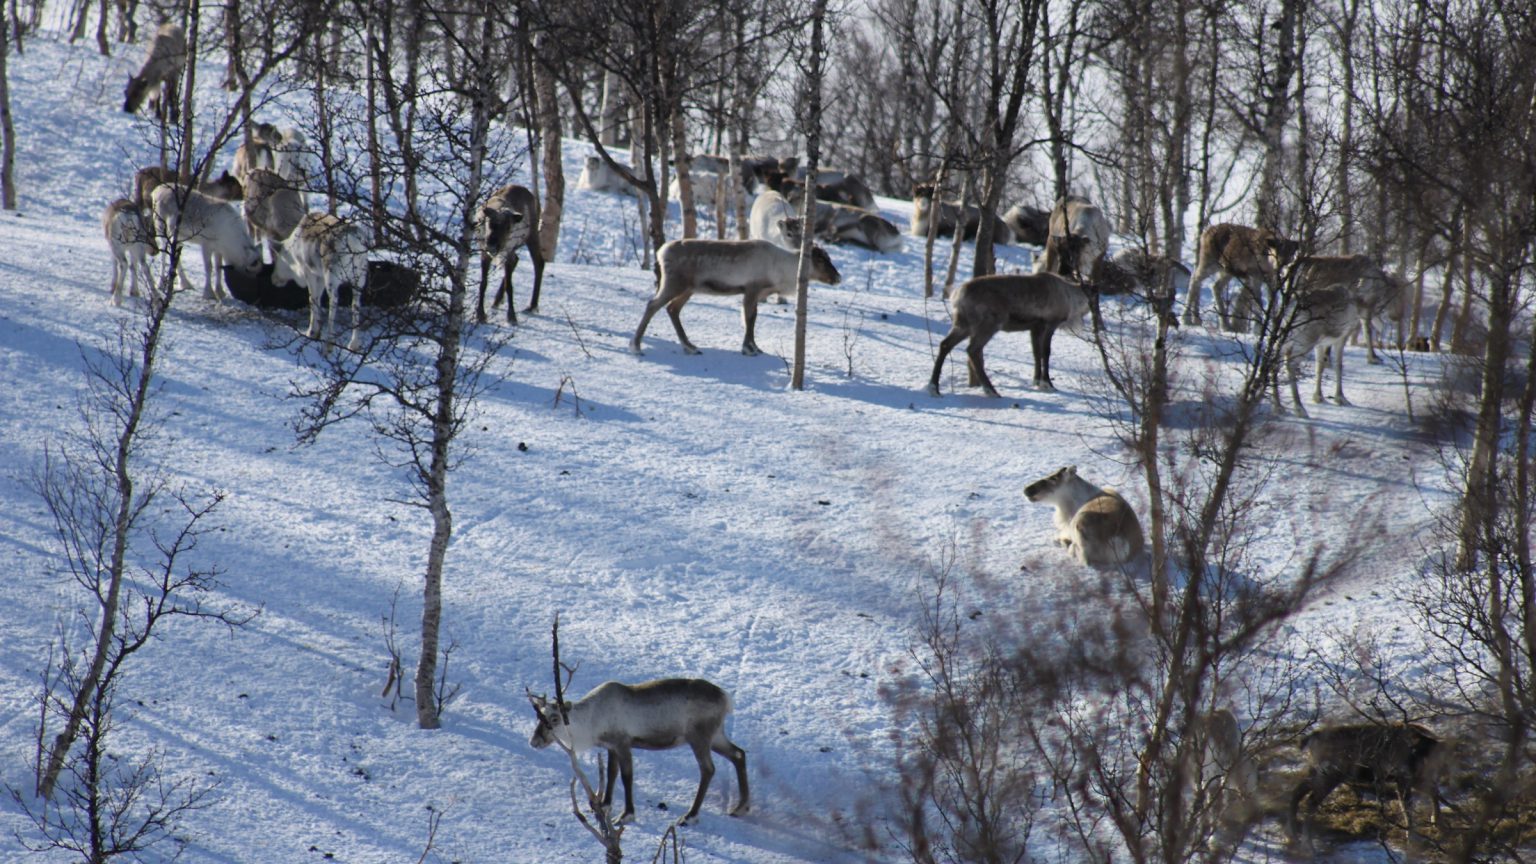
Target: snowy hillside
(685, 515)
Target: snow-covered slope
(685, 515)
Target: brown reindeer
(1405, 757)
(509, 219)
(159, 78)
(1250, 255)
(985, 305)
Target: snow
(685, 515)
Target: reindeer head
(922, 190)
(1281, 250)
(822, 268)
(502, 230)
(1043, 488)
(553, 722)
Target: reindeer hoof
(689, 819)
(690, 349)
(741, 810)
(933, 390)
(750, 350)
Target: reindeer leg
(1291, 367)
(1192, 297)
(316, 291)
(626, 760)
(706, 760)
(485, 272)
(738, 757)
(651, 308)
(955, 337)
(674, 311)
(1040, 337)
(749, 323)
(978, 365)
(1338, 375)
(611, 775)
(1320, 360)
(117, 280)
(506, 288)
(537, 255)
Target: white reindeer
(132, 242)
(1097, 524)
(1322, 320)
(325, 252)
(751, 268)
(185, 215)
(655, 715)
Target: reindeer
(161, 73)
(132, 242)
(1320, 320)
(1098, 526)
(952, 214)
(291, 157)
(1157, 278)
(1375, 290)
(751, 268)
(773, 219)
(323, 253)
(655, 715)
(188, 216)
(846, 189)
(1075, 216)
(844, 223)
(273, 208)
(598, 176)
(147, 180)
(509, 219)
(1029, 224)
(256, 151)
(1404, 756)
(1237, 251)
(1037, 302)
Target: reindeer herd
(255, 219)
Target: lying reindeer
(1097, 525)
(655, 715)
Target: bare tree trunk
(375, 156)
(445, 420)
(551, 135)
(682, 165)
(7, 125)
(1350, 9)
(189, 86)
(1279, 103)
(813, 76)
(934, 212)
(612, 110)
